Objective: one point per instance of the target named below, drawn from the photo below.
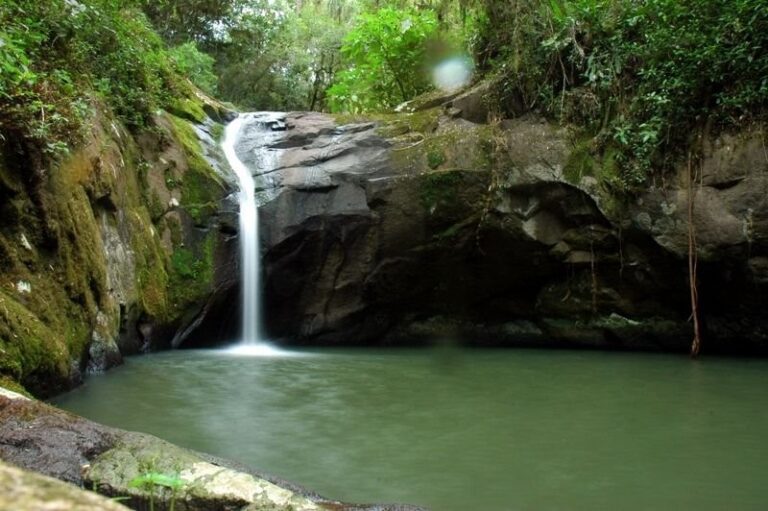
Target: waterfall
(249, 237)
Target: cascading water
(253, 342)
(249, 236)
(253, 133)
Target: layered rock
(426, 226)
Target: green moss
(201, 188)
(152, 295)
(191, 274)
(604, 166)
(435, 158)
(44, 330)
(187, 108)
(609, 166)
(170, 179)
(151, 278)
(142, 171)
(580, 163)
(439, 188)
(175, 227)
(27, 346)
(217, 132)
(423, 122)
(393, 125)
(14, 386)
(86, 270)
(155, 206)
(198, 197)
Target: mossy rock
(10, 384)
(393, 125)
(129, 468)
(191, 274)
(189, 109)
(21, 490)
(439, 188)
(217, 132)
(29, 348)
(580, 163)
(435, 158)
(201, 187)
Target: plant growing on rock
(150, 481)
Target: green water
(464, 430)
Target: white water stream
(260, 128)
(252, 336)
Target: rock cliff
(111, 249)
(426, 226)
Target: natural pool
(463, 430)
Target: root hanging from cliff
(693, 263)
(499, 144)
(592, 269)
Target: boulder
(22, 490)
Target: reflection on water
(463, 430)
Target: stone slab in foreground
(21, 490)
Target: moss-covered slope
(105, 251)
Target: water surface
(463, 430)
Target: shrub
(196, 65)
(60, 54)
(642, 76)
(386, 56)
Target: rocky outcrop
(133, 466)
(424, 226)
(21, 490)
(111, 249)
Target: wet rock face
(419, 228)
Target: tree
(181, 21)
(386, 55)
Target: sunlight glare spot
(453, 73)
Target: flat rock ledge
(21, 490)
(41, 438)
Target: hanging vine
(693, 261)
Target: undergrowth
(640, 77)
(58, 56)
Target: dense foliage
(195, 65)
(642, 77)
(58, 56)
(180, 21)
(639, 77)
(285, 55)
(386, 58)
(275, 57)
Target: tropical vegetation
(638, 77)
